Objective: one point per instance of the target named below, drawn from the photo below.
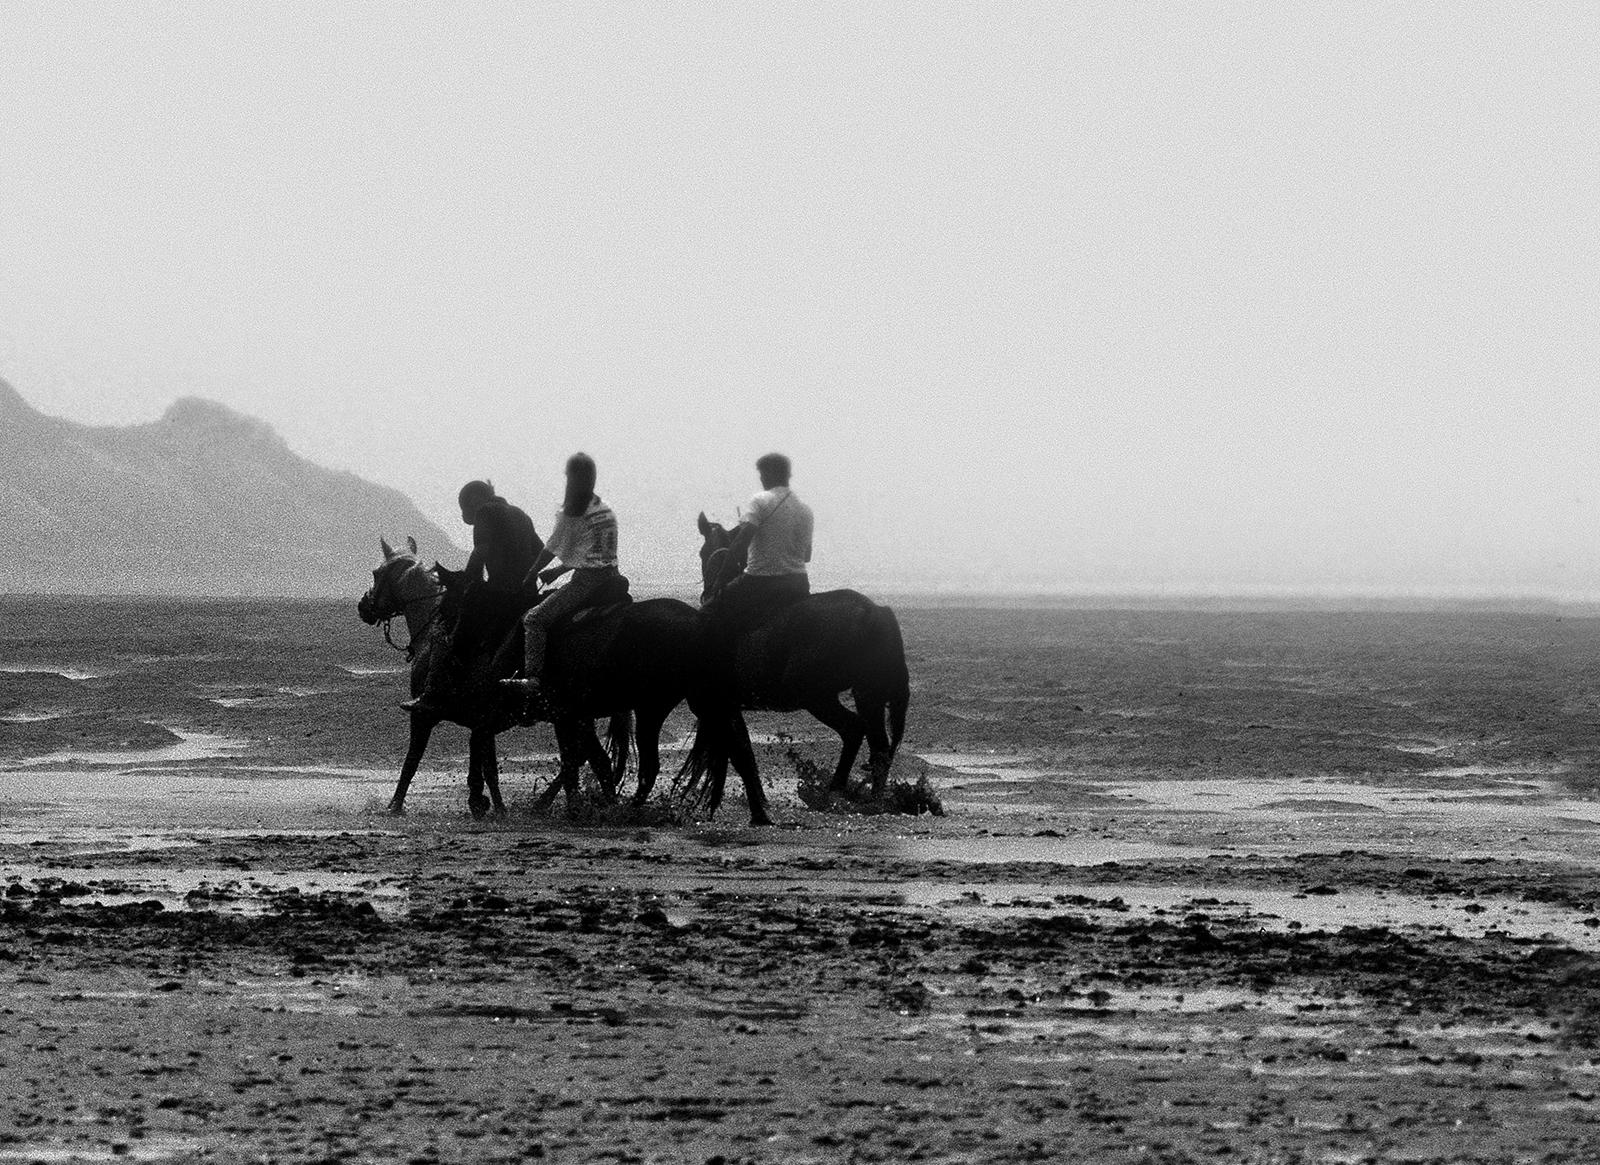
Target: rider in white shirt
(775, 534)
(585, 541)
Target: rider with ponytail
(584, 539)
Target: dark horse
(804, 656)
(629, 662)
(638, 661)
(403, 588)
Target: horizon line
(1327, 599)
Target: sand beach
(1208, 886)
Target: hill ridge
(203, 501)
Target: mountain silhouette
(204, 501)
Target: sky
(1155, 297)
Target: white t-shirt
(782, 541)
(585, 541)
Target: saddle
(610, 597)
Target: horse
(637, 661)
(805, 655)
(403, 588)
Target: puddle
(985, 804)
(1063, 851)
(191, 746)
(750, 1011)
(365, 774)
(29, 717)
(90, 811)
(154, 1147)
(367, 670)
(94, 840)
(214, 890)
(275, 696)
(343, 995)
(103, 839)
(1519, 799)
(65, 670)
(1248, 908)
(972, 762)
(174, 791)
(685, 742)
(1485, 789)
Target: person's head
(581, 476)
(774, 469)
(472, 497)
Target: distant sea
(1388, 692)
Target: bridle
(717, 540)
(403, 608)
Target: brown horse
(403, 588)
(804, 656)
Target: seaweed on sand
(903, 797)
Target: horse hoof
(480, 809)
(760, 819)
(396, 809)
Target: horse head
(453, 588)
(394, 584)
(715, 540)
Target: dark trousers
(582, 590)
(487, 615)
(750, 599)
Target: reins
(406, 604)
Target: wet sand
(1225, 890)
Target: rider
(585, 540)
(775, 530)
(505, 546)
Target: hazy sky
(1037, 296)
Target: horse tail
(895, 677)
(701, 755)
(619, 742)
(711, 750)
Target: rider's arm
(541, 560)
(738, 548)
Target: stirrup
(521, 684)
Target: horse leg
(647, 744)
(599, 761)
(476, 801)
(873, 709)
(851, 729)
(421, 730)
(743, 756)
(562, 778)
(571, 746)
(491, 770)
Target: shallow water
(66, 671)
(1062, 850)
(191, 746)
(1261, 909)
(197, 888)
(152, 1147)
